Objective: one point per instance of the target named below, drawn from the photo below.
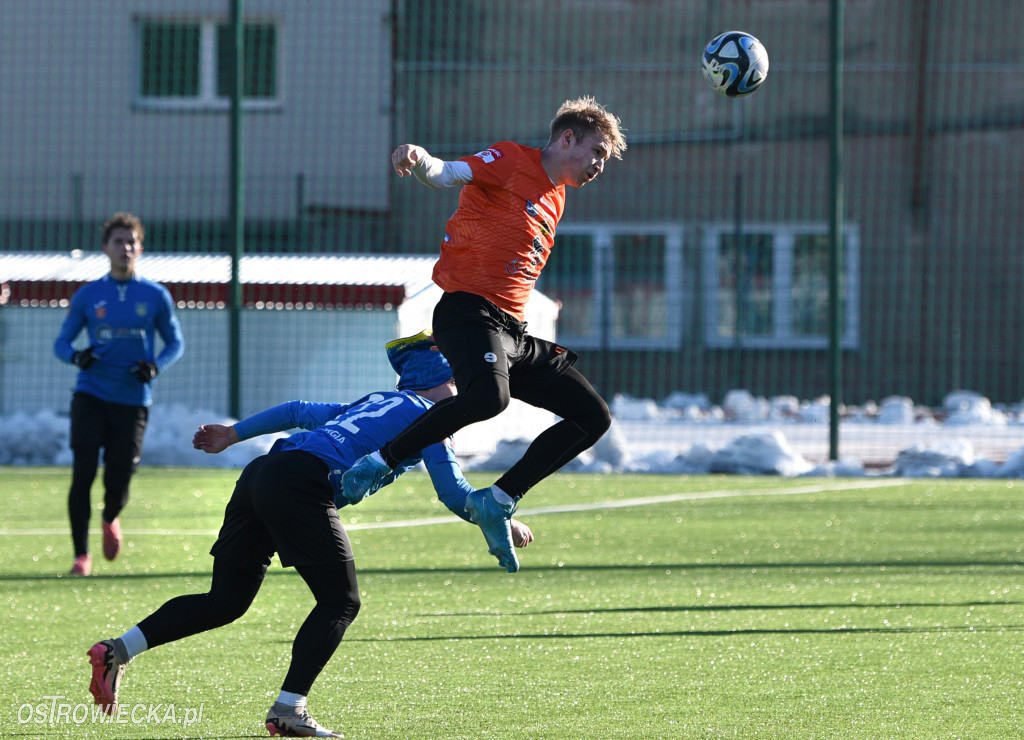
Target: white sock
(500, 496)
(134, 642)
(291, 700)
(375, 455)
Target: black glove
(144, 371)
(83, 358)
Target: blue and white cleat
(363, 478)
(493, 518)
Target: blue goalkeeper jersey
(122, 319)
(339, 434)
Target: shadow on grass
(162, 737)
(277, 572)
(85, 580)
(831, 631)
(734, 608)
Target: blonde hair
(585, 115)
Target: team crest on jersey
(101, 312)
(141, 309)
(489, 155)
(529, 267)
(534, 211)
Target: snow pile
(685, 434)
(43, 439)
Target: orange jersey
(499, 239)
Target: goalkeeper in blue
(286, 502)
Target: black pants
(494, 360)
(282, 503)
(118, 430)
(232, 592)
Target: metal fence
(697, 264)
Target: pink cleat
(106, 675)
(112, 539)
(82, 565)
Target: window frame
(603, 284)
(783, 238)
(207, 99)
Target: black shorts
(282, 503)
(477, 338)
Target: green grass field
(647, 607)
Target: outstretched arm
(214, 438)
(410, 159)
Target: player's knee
(343, 606)
(596, 419)
(484, 400)
(351, 611)
(494, 404)
(225, 610)
(350, 605)
(605, 414)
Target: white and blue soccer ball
(735, 64)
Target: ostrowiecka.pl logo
(58, 709)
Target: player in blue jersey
(286, 502)
(122, 313)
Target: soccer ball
(735, 64)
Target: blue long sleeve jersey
(122, 319)
(339, 434)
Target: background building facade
(698, 263)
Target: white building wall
(68, 73)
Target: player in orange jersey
(495, 246)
